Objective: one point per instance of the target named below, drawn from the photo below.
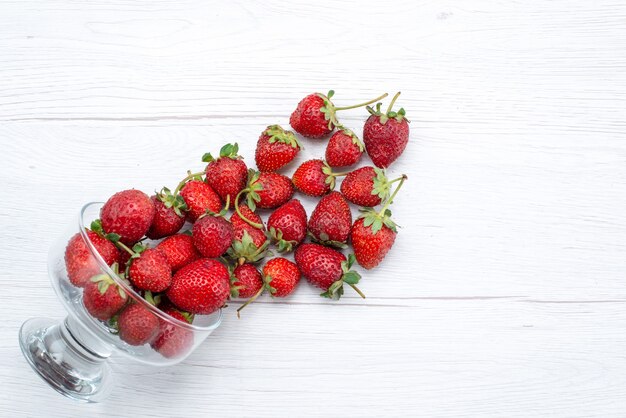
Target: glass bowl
(71, 354)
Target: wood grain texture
(505, 292)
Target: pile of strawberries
(198, 270)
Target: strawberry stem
(392, 102)
(356, 289)
(362, 104)
(344, 173)
(184, 181)
(248, 221)
(124, 247)
(249, 301)
(395, 192)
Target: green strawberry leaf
(208, 158)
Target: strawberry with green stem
(148, 268)
(250, 243)
(287, 225)
(198, 196)
(344, 148)
(245, 281)
(276, 148)
(315, 178)
(226, 174)
(367, 186)
(102, 297)
(212, 234)
(315, 116)
(266, 190)
(136, 324)
(374, 233)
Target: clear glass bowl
(71, 355)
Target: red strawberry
(385, 134)
(103, 298)
(172, 339)
(315, 117)
(81, 265)
(249, 242)
(179, 250)
(128, 214)
(287, 225)
(167, 220)
(227, 175)
(280, 278)
(212, 235)
(331, 220)
(343, 149)
(266, 190)
(137, 325)
(275, 148)
(314, 178)
(327, 269)
(245, 281)
(200, 197)
(201, 287)
(373, 234)
(150, 270)
(366, 186)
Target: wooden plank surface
(505, 292)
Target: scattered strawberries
(314, 178)
(128, 214)
(331, 220)
(212, 235)
(287, 225)
(201, 287)
(102, 297)
(385, 134)
(137, 325)
(200, 197)
(173, 340)
(327, 269)
(344, 148)
(81, 265)
(150, 270)
(179, 250)
(245, 281)
(227, 175)
(276, 148)
(366, 186)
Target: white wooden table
(505, 294)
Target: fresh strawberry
(331, 220)
(103, 298)
(201, 287)
(315, 117)
(366, 186)
(276, 148)
(327, 269)
(287, 225)
(81, 265)
(227, 175)
(179, 250)
(266, 191)
(245, 281)
(374, 233)
(344, 148)
(128, 214)
(249, 241)
(314, 178)
(137, 325)
(150, 270)
(280, 278)
(167, 220)
(212, 235)
(172, 339)
(385, 134)
(200, 197)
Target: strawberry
(149, 269)
(287, 225)
(276, 148)
(327, 269)
(245, 281)
(344, 148)
(374, 233)
(331, 220)
(137, 325)
(227, 175)
(81, 265)
(385, 134)
(172, 339)
(179, 250)
(103, 298)
(249, 241)
(199, 197)
(128, 214)
(366, 186)
(315, 117)
(201, 287)
(266, 191)
(280, 278)
(212, 235)
(167, 220)
(314, 178)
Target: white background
(505, 293)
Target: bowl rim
(137, 297)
